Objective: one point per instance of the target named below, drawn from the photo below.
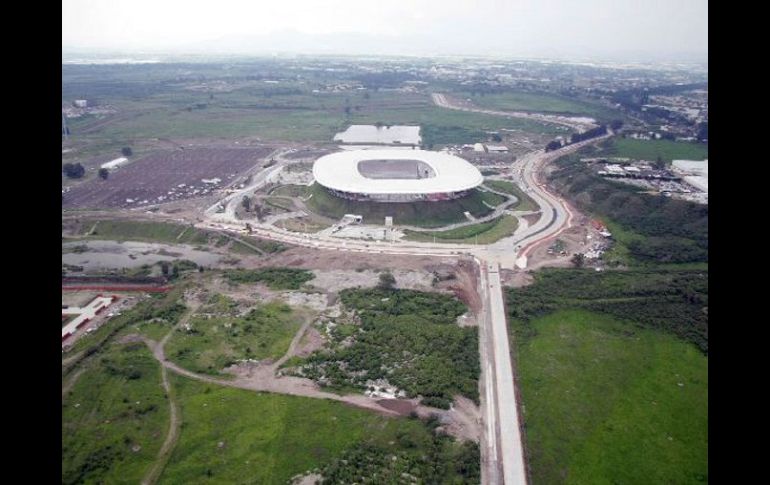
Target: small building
(81, 103)
(497, 149)
(479, 147)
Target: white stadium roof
(339, 171)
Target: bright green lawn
(650, 149)
(268, 438)
(606, 402)
(525, 201)
(423, 214)
(483, 233)
(545, 103)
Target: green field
(238, 436)
(545, 103)
(525, 201)
(422, 214)
(171, 112)
(482, 233)
(217, 336)
(672, 300)
(115, 418)
(125, 230)
(652, 149)
(608, 402)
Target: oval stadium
(396, 175)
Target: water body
(112, 254)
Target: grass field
(607, 402)
(115, 418)
(483, 233)
(237, 436)
(525, 201)
(652, 149)
(217, 338)
(123, 230)
(302, 116)
(423, 214)
(544, 103)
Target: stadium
(396, 175)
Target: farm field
(423, 214)
(605, 401)
(483, 233)
(164, 177)
(652, 149)
(236, 436)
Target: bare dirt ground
(307, 258)
(517, 279)
(310, 342)
(336, 280)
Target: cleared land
(423, 214)
(164, 177)
(483, 233)
(652, 149)
(607, 402)
(232, 435)
(525, 201)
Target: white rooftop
(340, 171)
(696, 167)
(387, 135)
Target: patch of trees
(275, 278)
(674, 301)
(587, 135)
(553, 145)
(416, 459)
(409, 338)
(73, 170)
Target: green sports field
(605, 401)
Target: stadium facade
(396, 175)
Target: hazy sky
(509, 27)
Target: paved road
(510, 449)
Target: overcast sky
(656, 29)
